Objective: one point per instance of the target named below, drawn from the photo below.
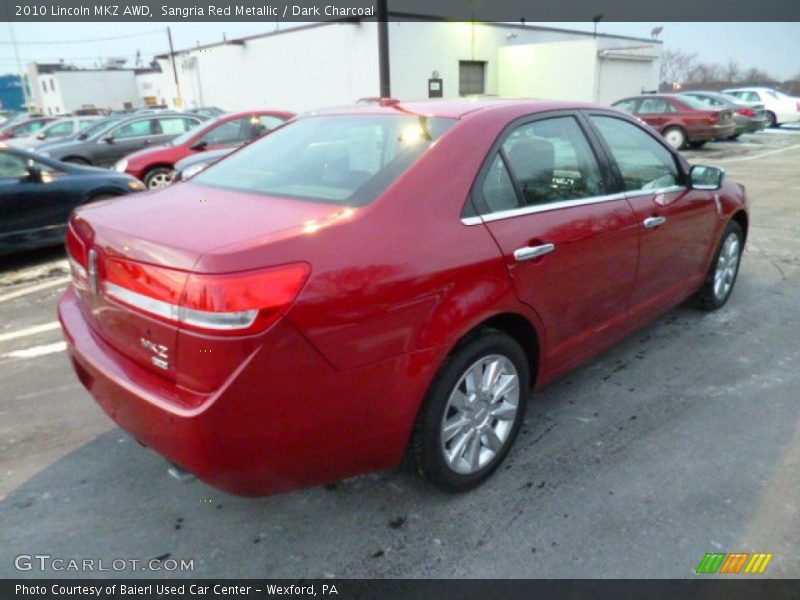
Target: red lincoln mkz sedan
(380, 282)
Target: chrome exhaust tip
(179, 473)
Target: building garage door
(471, 77)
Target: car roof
(454, 109)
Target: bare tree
(676, 66)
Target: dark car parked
(37, 196)
(748, 117)
(681, 120)
(108, 145)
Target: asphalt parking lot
(682, 440)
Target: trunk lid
(170, 228)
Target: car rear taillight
(76, 254)
(229, 304)
(747, 112)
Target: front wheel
(472, 413)
(721, 276)
(159, 177)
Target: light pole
(22, 78)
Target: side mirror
(706, 178)
(199, 146)
(34, 175)
(109, 139)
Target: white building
(59, 88)
(327, 64)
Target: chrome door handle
(529, 252)
(653, 222)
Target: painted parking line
(36, 351)
(13, 335)
(33, 289)
(762, 155)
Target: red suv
(154, 166)
(682, 120)
(375, 282)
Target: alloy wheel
(480, 414)
(727, 264)
(675, 138)
(158, 180)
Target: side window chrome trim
(656, 191)
(540, 208)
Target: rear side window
(655, 106)
(59, 129)
(643, 162)
(552, 161)
(340, 159)
(133, 129)
(172, 126)
(230, 132)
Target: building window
(52, 85)
(44, 85)
(471, 77)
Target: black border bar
(700, 588)
(514, 11)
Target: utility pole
(22, 77)
(383, 48)
(179, 99)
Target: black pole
(174, 69)
(383, 48)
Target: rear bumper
(275, 425)
(751, 125)
(711, 132)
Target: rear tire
(724, 269)
(158, 178)
(675, 137)
(472, 412)
(772, 120)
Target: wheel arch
(516, 326)
(743, 220)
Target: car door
(570, 245)
(29, 210)
(676, 224)
(122, 140)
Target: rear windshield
(339, 159)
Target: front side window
(552, 161)
(340, 159)
(643, 162)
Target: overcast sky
(773, 47)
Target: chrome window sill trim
(540, 208)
